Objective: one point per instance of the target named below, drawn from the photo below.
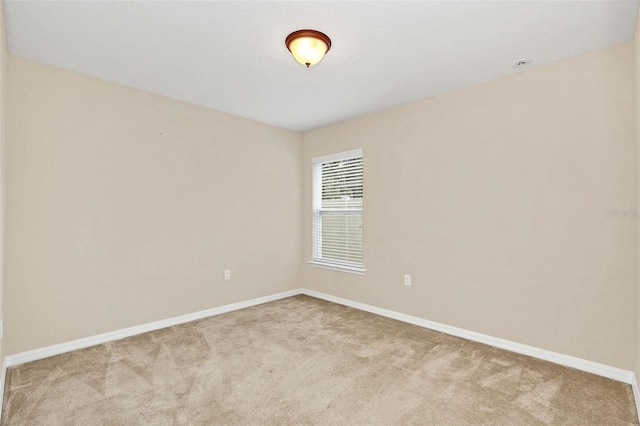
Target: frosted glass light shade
(308, 46)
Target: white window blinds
(337, 210)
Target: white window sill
(351, 269)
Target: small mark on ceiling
(521, 63)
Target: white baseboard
(3, 377)
(73, 345)
(614, 373)
(636, 393)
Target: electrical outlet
(407, 280)
(227, 274)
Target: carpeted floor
(305, 361)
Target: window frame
(316, 212)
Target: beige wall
(3, 95)
(636, 56)
(493, 199)
(125, 207)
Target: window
(337, 211)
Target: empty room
(319, 212)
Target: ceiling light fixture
(308, 46)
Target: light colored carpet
(305, 361)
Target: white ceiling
(230, 55)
